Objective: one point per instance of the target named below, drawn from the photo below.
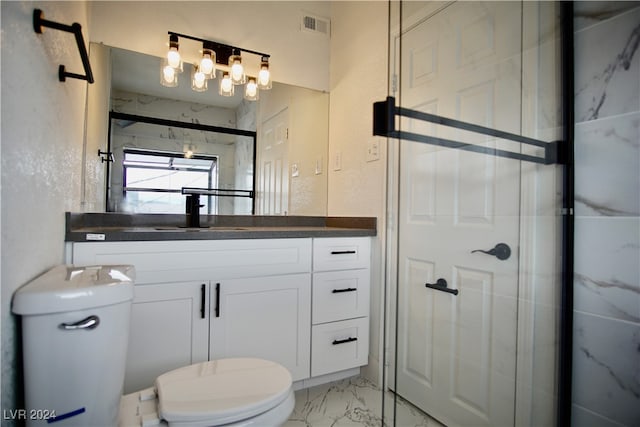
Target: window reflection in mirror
(154, 159)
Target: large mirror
(263, 157)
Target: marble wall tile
(607, 271)
(607, 171)
(607, 67)
(606, 368)
(584, 418)
(588, 13)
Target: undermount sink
(207, 228)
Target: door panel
(456, 354)
(274, 165)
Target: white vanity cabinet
(341, 292)
(264, 304)
(301, 302)
(169, 329)
(264, 317)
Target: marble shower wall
(606, 353)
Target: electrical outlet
(294, 170)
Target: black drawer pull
(350, 339)
(342, 252)
(203, 295)
(339, 291)
(217, 299)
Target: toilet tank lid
(70, 288)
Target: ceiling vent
(315, 24)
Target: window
(153, 180)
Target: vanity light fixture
(215, 56)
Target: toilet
(75, 327)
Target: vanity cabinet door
(265, 317)
(169, 329)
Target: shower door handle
(441, 285)
(502, 251)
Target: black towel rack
(76, 29)
(385, 112)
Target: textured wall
(42, 145)
(358, 79)
(606, 380)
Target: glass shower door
(474, 244)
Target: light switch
(337, 161)
(373, 151)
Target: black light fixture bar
(76, 29)
(223, 51)
(385, 112)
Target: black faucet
(192, 210)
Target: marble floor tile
(351, 402)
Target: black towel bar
(76, 29)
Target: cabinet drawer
(341, 253)
(339, 295)
(339, 345)
(173, 261)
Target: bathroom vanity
(290, 291)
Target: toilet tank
(75, 330)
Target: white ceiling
(140, 73)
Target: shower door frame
(563, 269)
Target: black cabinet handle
(203, 295)
(441, 285)
(342, 252)
(350, 339)
(338, 291)
(217, 299)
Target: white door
(274, 165)
(456, 354)
(267, 317)
(169, 330)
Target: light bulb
(264, 75)
(169, 73)
(226, 85)
(237, 70)
(173, 57)
(207, 65)
(251, 90)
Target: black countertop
(110, 227)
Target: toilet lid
(222, 391)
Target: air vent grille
(315, 24)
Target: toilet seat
(218, 392)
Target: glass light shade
(207, 64)
(198, 80)
(264, 75)
(226, 85)
(237, 69)
(168, 75)
(173, 58)
(251, 90)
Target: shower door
(456, 354)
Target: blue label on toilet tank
(65, 416)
